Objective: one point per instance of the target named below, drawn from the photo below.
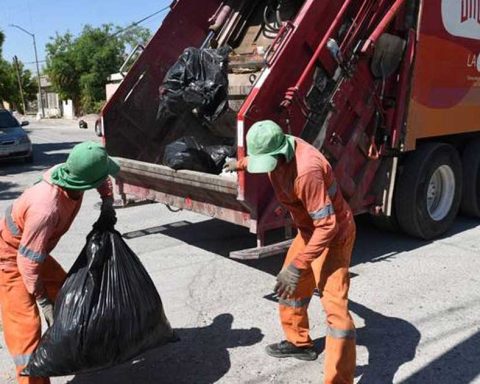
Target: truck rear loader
(388, 90)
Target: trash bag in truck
(191, 153)
(107, 312)
(197, 81)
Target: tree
(2, 40)
(78, 67)
(9, 89)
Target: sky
(46, 17)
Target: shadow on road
(372, 245)
(459, 365)
(390, 341)
(8, 191)
(45, 156)
(201, 356)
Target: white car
(14, 141)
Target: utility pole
(19, 77)
(40, 100)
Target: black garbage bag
(107, 312)
(218, 153)
(187, 153)
(198, 80)
(190, 153)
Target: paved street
(416, 304)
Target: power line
(134, 24)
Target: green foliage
(9, 89)
(2, 39)
(78, 67)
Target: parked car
(14, 141)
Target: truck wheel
(470, 205)
(429, 190)
(98, 128)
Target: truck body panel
(445, 96)
(319, 79)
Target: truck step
(262, 252)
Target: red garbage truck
(388, 90)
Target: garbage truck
(387, 90)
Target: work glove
(230, 166)
(287, 281)
(47, 308)
(108, 217)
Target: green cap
(87, 166)
(265, 141)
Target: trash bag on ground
(190, 153)
(107, 312)
(198, 80)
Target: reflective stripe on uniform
(299, 303)
(332, 190)
(341, 333)
(21, 360)
(32, 255)
(11, 225)
(322, 213)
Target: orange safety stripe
(341, 333)
(323, 212)
(11, 225)
(32, 255)
(21, 360)
(292, 303)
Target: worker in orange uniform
(320, 254)
(31, 229)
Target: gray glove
(287, 281)
(230, 166)
(47, 308)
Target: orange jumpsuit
(322, 250)
(31, 229)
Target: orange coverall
(322, 250)
(31, 229)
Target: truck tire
(429, 190)
(470, 205)
(98, 128)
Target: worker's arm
(106, 189)
(108, 217)
(234, 165)
(313, 193)
(34, 249)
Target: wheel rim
(440, 193)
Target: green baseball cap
(265, 141)
(87, 166)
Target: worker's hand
(108, 217)
(47, 308)
(287, 281)
(230, 166)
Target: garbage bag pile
(198, 80)
(196, 87)
(188, 153)
(107, 312)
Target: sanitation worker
(29, 277)
(319, 256)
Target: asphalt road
(416, 304)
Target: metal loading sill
(161, 174)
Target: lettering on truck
(462, 18)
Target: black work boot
(287, 349)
